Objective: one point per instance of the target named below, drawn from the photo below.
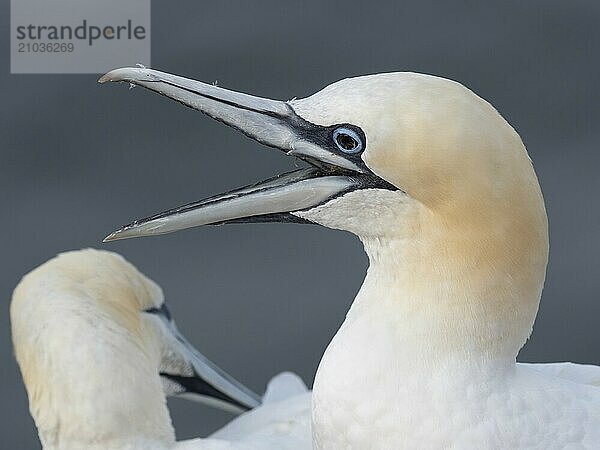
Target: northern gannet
(98, 352)
(441, 192)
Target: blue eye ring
(347, 140)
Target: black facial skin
(323, 137)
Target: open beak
(331, 173)
(187, 373)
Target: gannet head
(434, 181)
(98, 351)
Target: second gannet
(442, 193)
(98, 351)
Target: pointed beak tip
(114, 236)
(104, 78)
(130, 74)
(113, 75)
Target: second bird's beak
(274, 123)
(187, 373)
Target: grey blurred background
(78, 159)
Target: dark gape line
(195, 384)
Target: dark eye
(162, 311)
(347, 140)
